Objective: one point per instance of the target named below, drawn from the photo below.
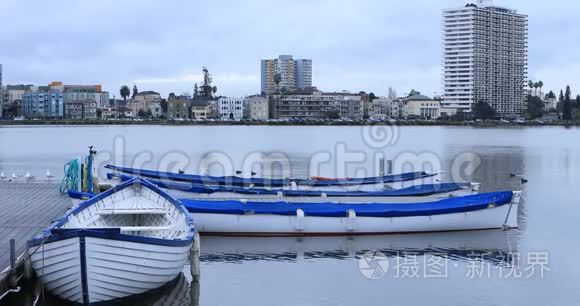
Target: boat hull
(299, 224)
(89, 270)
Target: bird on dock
(2, 176)
(253, 173)
(238, 172)
(28, 177)
(48, 174)
(524, 181)
(14, 176)
(181, 171)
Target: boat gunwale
(55, 233)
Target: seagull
(28, 177)
(238, 172)
(2, 176)
(48, 174)
(181, 171)
(14, 176)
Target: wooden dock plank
(27, 208)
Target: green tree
(482, 110)
(531, 84)
(536, 86)
(125, 92)
(99, 113)
(535, 107)
(332, 114)
(135, 91)
(577, 101)
(414, 92)
(141, 113)
(551, 95)
(541, 85)
(372, 96)
(206, 90)
(195, 91)
(567, 105)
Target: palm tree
(125, 92)
(531, 84)
(536, 86)
(541, 85)
(277, 80)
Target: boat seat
(133, 212)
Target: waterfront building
(200, 109)
(73, 93)
(320, 105)
(141, 101)
(43, 104)
(420, 106)
(256, 108)
(231, 108)
(178, 107)
(156, 109)
(485, 57)
(388, 108)
(13, 93)
(294, 74)
(81, 109)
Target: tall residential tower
(294, 74)
(1, 93)
(485, 57)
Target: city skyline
(362, 50)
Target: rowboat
(395, 181)
(245, 218)
(125, 241)
(408, 194)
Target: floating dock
(26, 208)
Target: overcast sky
(354, 44)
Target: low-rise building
(43, 105)
(256, 108)
(231, 108)
(320, 105)
(200, 109)
(142, 101)
(178, 107)
(421, 106)
(81, 109)
(14, 92)
(156, 109)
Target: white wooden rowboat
(128, 240)
(244, 218)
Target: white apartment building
(256, 108)
(485, 56)
(231, 108)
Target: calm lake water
(471, 268)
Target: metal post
(381, 166)
(389, 167)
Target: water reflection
(493, 246)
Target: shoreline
(278, 123)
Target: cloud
(161, 45)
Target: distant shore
(283, 123)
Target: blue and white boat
(249, 218)
(408, 194)
(128, 240)
(395, 181)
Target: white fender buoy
(323, 195)
(48, 174)
(2, 176)
(351, 224)
(28, 177)
(299, 220)
(293, 185)
(14, 176)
